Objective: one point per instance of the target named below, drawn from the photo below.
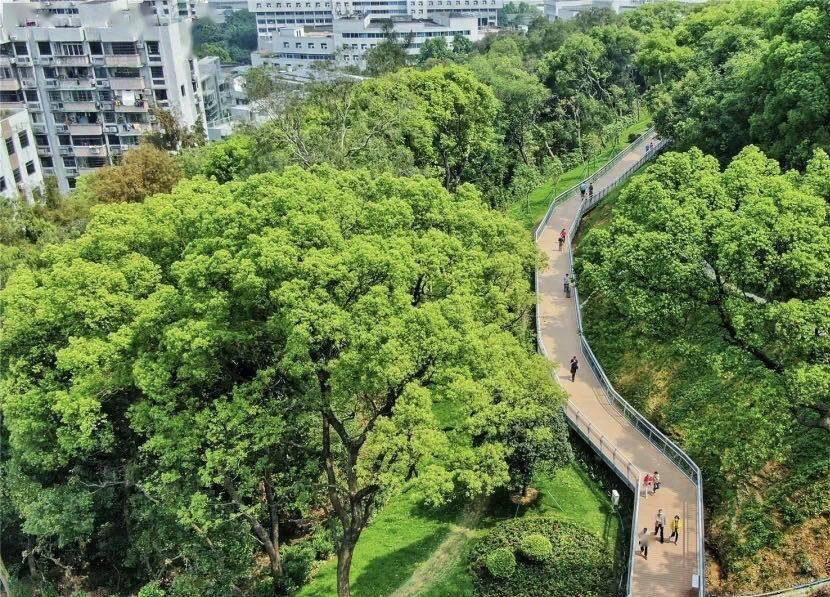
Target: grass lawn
(404, 535)
(530, 213)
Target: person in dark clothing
(591, 190)
(574, 367)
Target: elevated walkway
(626, 440)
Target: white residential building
(273, 14)
(568, 9)
(347, 40)
(217, 97)
(20, 170)
(89, 72)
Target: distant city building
(568, 9)
(89, 73)
(274, 14)
(347, 40)
(217, 97)
(215, 9)
(20, 169)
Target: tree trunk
(273, 515)
(30, 556)
(344, 564)
(5, 580)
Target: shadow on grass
(383, 574)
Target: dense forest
(709, 280)
(219, 361)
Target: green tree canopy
(233, 339)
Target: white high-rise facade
(274, 14)
(20, 170)
(89, 72)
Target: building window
(31, 95)
(157, 72)
(16, 174)
(44, 48)
(161, 94)
(46, 161)
(30, 167)
(182, 90)
(64, 140)
(119, 48)
(72, 49)
(96, 48)
(10, 146)
(24, 138)
(2, 184)
(71, 182)
(69, 161)
(42, 140)
(20, 48)
(152, 48)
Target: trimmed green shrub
(501, 563)
(536, 547)
(580, 563)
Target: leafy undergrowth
(578, 565)
(405, 536)
(766, 480)
(530, 212)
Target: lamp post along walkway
(630, 444)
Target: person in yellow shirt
(675, 528)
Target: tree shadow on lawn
(387, 572)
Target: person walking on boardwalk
(566, 283)
(574, 367)
(660, 523)
(562, 236)
(656, 481)
(591, 191)
(645, 539)
(647, 481)
(675, 528)
(582, 188)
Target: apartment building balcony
(9, 84)
(80, 107)
(72, 84)
(39, 128)
(44, 151)
(133, 60)
(135, 128)
(130, 83)
(71, 171)
(70, 60)
(7, 60)
(90, 151)
(86, 129)
(139, 106)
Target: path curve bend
(629, 444)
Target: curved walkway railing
(638, 421)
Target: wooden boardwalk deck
(669, 568)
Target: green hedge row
(578, 564)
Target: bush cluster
(501, 563)
(578, 563)
(536, 547)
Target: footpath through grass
(530, 212)
(405, 536)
